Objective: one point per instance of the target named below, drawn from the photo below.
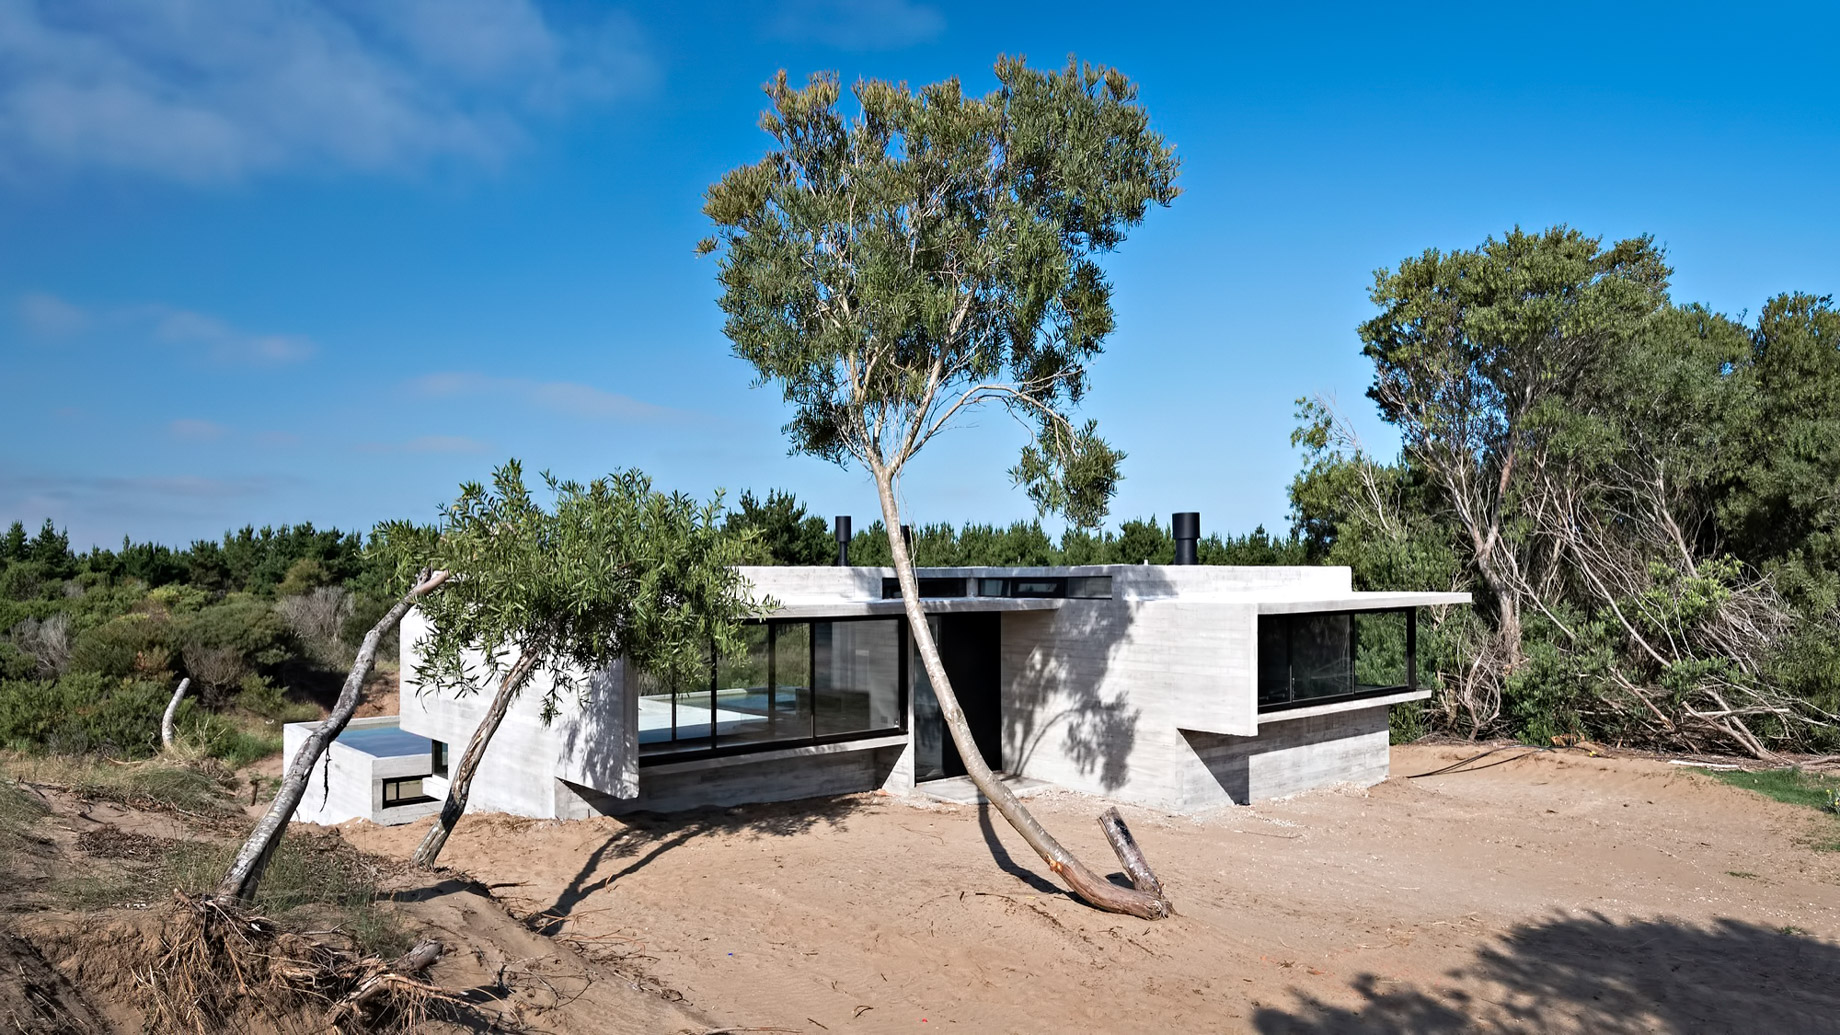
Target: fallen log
(1131, 857)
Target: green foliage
(934, 252)
(1026, 544)
(140, 643)
(782, 532)
(1640, 494)
(213, 735)
(82, 712)
(229, 640)
(613, 569)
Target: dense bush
(82, 712)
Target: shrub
(260, 697)
(303, 576)
(82, 712)
(47, 642)
(21, 580)
(317, 619)
(230, 640)
(215, 736)
(129, 645)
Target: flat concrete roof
(894, 607)
(1359, 602)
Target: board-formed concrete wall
(1095, 694)
(1287, 757)
(347, 783)
(741, 782)
(1112, 697)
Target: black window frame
(716, 749)
(395, 783)
(1292, 702)
(932, 587)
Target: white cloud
(202, 91)
(48, 316)
(568, 397)
(225, 343)
(51, 316)
(858, 24)
(190, 429)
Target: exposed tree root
(219, 968)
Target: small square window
(406, 791)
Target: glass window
(1322, 661)
(857, 676)
(673, 719)
(1380, 650)
(789, 682)
(1309, 657)
(1090, 587)
(1274, 660)
(404, 792)
(763, 693)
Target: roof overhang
(895, 607)
(1360, 602)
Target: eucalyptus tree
(1475, 354)
(895, 269)
(613, 569)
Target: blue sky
(289, 260)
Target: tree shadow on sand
(649, 835)
(1593, 974)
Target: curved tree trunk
(1096, 890)
(245, 874)
(460, 785)
(169, 722)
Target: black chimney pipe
(907, 539)
(1187, 529)
(843, 540)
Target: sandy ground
(1553, 892)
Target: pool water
(386, 742)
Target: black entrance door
(969, 646)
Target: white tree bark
(168, 722)
(245, 873)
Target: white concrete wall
(592, 740)
(1096, 693)
(347, 783)
(340, 787)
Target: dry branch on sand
(218, 967)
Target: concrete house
(1181, 687)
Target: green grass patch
(1796, 787)
(1792, 786)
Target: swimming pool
(386, 742)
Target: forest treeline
(1642, 494)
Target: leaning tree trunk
(169, 722)
(1095, 889)
(245, 875)
(460, 785)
